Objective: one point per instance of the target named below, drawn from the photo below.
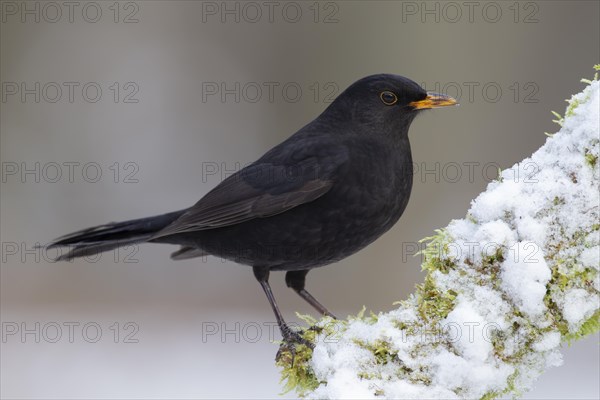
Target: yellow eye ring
(388, 98)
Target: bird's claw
(287, 349)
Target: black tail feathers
(91, 241)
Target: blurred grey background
(142, 107)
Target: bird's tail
(110, 236)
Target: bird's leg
(296, 281)
(289, 336)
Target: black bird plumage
(323, 194)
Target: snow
(345, 385)
(469, 340)
(578, 306)
(536, 222)
(548, 341)
(525, 275)
(591, 257)
(472, 378)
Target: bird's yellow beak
(434, 100)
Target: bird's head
(385, 103)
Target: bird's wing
(279, 181)
(187, 252)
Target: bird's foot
(287, 349)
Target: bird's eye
(388, 98)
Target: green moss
(381, 349)
(568, 274)
(559, 119)
(434, 304)
(295, 368)
(491, 395)
(588, 81)
(471, 218)
(499, 178)
(368, 375)
(573, 104)
(434, 252)
(384, 354)
(589, 327)
(489, 269)
(510, 388)
(298, 375)
(590, 159)
(421, 377)
(372, 318)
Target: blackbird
(321, 195)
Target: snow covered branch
(505, 286)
